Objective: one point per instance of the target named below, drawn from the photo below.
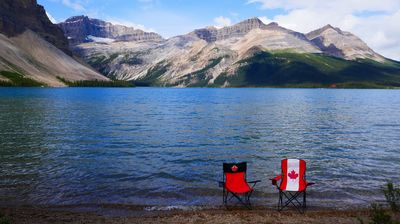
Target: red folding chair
(292, 184)
(234, 183)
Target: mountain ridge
(18, 15)
(212, 34)
(335, 42)
(248, 53)
(33, 51)
(221, 56)
(78, 28)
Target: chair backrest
(235, 174)
(293, 175)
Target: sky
(375, 21)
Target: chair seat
(236, 183)
(302, 187)
(299, 190)
(239, 189)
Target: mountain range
(247, 54)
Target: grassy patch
(199, 78)
(19, 80)
(132, 59)
(101, 62)
(96, 83)
(379, 214)
(392, 195)
(4, 219)
(153, 75)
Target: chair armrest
(253, 182)
(221, 184)
(276, 179)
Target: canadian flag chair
(234, 184)
(292, 184)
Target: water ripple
(165, 147)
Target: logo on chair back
(234, 168)
(293, 175)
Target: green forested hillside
(285, 69)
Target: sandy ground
(43, 215)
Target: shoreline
(138, 214)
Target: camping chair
(234, 183)
(292, 184)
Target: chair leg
(225, 197)
(280, 202)
(248, 195)
(292, 199)
(244, 199)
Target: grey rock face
(182, 60)
(78, 28)
(212, 34)
(34, 57)
(335, 42)
(202, 56)
(36, 48)
(18, 15)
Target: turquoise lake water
(165, 146)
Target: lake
(166, 146)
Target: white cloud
(148, 4)
(73, 5)
(374, 21)
(222, 22)
(337, 5)
(51, 18)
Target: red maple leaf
(293, 175)
(234, 168)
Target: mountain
(338, 43)
(18, 15)
(212, 34)
(81, 29)
(33, 51)
(249, 53)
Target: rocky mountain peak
(77, 19)
(32, 46)
(79, 29)
(238, 30)
(252, 22)
(18, 15)
(335, 42)
(323, 29)
(272, 24)
(327, 26)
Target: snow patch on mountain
(100, 39)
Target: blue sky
(167, 17)
(375, 21)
